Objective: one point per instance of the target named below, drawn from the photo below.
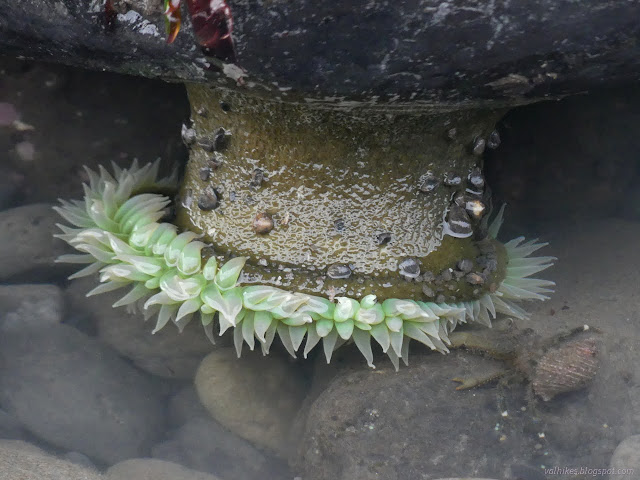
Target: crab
(563, 363)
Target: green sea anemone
(118, 229)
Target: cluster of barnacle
(467, 207)
(118, 231)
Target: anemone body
(353, 194)
(119, 235)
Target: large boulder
(433, 51)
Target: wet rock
(167, 353)
(11, 428)
(35, 305)
(184, 406)
(203, 444)
(153, 469)
(626, 457)
(73, 392)
(81, 459)
(23, 461)
(357, 428)
(445, 276)
(527, 57)
(26, 236)
(255, 397)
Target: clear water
(101, 389)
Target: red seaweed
(212, 23)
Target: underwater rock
(26, 235)
(32, 305)
(357, 427)
(70, 390)
(11, 428)
(255, 397)
(204, 445)
(80, 459)
(184, 406)
(153, 469)
(625, 461)
(166, 353)
(21, 460)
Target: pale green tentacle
(118, 233)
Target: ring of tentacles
(118, 230)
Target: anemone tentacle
(118, 231)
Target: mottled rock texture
(435, 50)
